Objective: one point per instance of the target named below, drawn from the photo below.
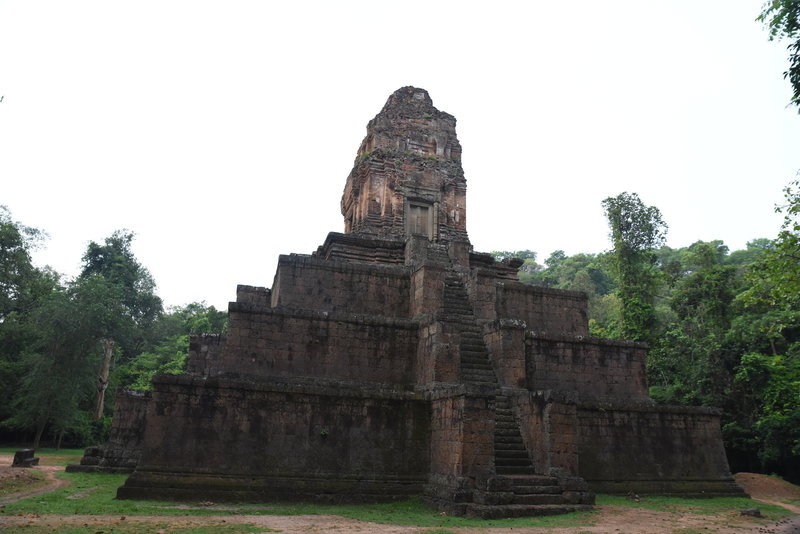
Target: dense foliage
(723, 327)
(63, 343)
(783, 21)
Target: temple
(396, 361)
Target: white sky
(222, 133)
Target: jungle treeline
(723, 326)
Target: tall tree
(69, 323)
(21, 286)
(115, 263)
(636, 231)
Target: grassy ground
(94, 495)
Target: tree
(636, 231)
(21, 286)
(18, 276)
(783, 20)
(69, 323)
(775, 277)
(687, 363)
(139, 306)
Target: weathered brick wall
(553, 311)
(310, 283)
(346, 247)
(592, 368)
(274, 342)
(205, 354)
(426, 290)
(482, 289)
(505, 341)
(462, 433)
(260, 296)
(222, 439)
(438, 357)
(656, 449)
(550, 431)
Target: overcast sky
(222, 133)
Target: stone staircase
(510, 455)
(476, 368)
(516, 491)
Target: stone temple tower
(407, 179)
(396, 361)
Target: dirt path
(607, 519)
(52, 483)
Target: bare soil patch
(767, 488)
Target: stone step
(540, 498)
(472, 334)
(479, 380)
(511, 453)
(451, 305)
(507, 432)
(535, 480)
(471, 330)
(511, 462)
(485, 371)
(515, 470)
(510, 447)
(537, 490)
(476, 366)
(486, 511)
(507, 440)
(470, 363)
(474, 358)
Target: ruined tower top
(408, 122)
(407, 178)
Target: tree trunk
(40, 426)
(60, 437)
(102, 377)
